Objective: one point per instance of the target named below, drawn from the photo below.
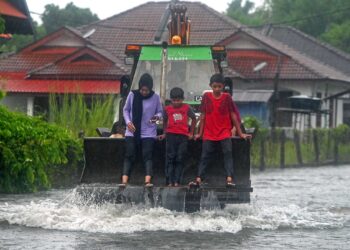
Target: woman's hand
(161, 137)
(154, 119)
(131, 127)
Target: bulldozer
(171, 63)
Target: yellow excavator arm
(179, 26)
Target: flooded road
(303, 208)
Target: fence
(284, 148)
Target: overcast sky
(107, 8)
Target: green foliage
(76, 114)
(251, 122)
(246, 13)
(292, 10)
(17, 42)
(338, 35)
(29, 147)
(2, 94)
(2, 25)
(342, 133)
(20, 41)
(327, 138)
(330, 19)
(325, 19)
(2, 87)
(54, 17)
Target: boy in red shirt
(176, 133)
(217, 118)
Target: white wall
(338, 113)
(66, 40)
(19, 102)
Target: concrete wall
(19, 102)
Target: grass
(326, 141)
(78, 114)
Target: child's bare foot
(176, 184)
(170, 185)
(148, 181)
(125, 179)
(229, 182)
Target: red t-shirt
(217, 123)
(178, 119)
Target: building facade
(267, 65)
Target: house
(325, 54)
(63, 62)
(294, 73)
(17, 17)
(89, 60)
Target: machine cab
(187, 67)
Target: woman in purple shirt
(142, 109)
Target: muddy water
(306, 208)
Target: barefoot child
(177, 134)
(216, 122)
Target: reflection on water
(293, 208)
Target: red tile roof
(17, 83)
(79, 71)
(63, 33)
(7, 9)
(318, 68)
(85, 63)
(139, 25)
(17, 17)
(244, 61)
(25, 62)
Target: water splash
(76, 214)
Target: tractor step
(181, 198)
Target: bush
(251, 122)
(29, 147)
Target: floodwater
(300, 208)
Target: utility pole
(275, 94)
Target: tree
(246, 14)
(310, 16)
(54, 17)
(338, 35)
(324, 19)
